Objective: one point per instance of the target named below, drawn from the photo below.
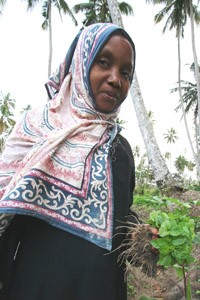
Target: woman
(68, 179)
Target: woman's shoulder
(125, 146)
(124, 142)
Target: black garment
(41, 262)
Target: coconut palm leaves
(190, 97)
(62, 7)
(176, 13)
(190, 101)
(171, 136)
(98, 11)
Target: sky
(24, 63)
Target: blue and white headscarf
(56, 165)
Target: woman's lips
(110, 96)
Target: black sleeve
(132, 216)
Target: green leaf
(160, 243)
(176, 231)
(190, 259)
(165, 228)
(165, 261)
(179, 271)
(157, 218)
(186, 231)
(178, 241)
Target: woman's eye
(103, 62)
(127, 75)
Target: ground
(166, 285)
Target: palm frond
(98, 11)
(83, 7)
(31, 3)
(62, 6)
(125, 8)
(45, 14)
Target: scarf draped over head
(56, 164)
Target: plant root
(138, 251)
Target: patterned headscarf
(56, 163)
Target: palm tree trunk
(115, 12)
(183, 110)
(160, 170)
(196, 139)
(196, 65)
(50, 40)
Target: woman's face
(111, 73)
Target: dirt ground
(166, 285)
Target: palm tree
(190, 100)
(97, 11)
(167, 155)
(190, 166)
(195, 15)
(176, 12)
(160, 170)
(144, 175)
(191, 11)
(189, 95)
(181, 163)
(136, 151)
(171, 136)
(7, 121)
(62, 7)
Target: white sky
(24, 60)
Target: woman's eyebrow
(107, 53)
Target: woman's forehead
(118, 39)
(119, 46)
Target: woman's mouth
(110, 96)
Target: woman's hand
(155, 234)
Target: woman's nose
(114, 78)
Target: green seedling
(176, 235)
